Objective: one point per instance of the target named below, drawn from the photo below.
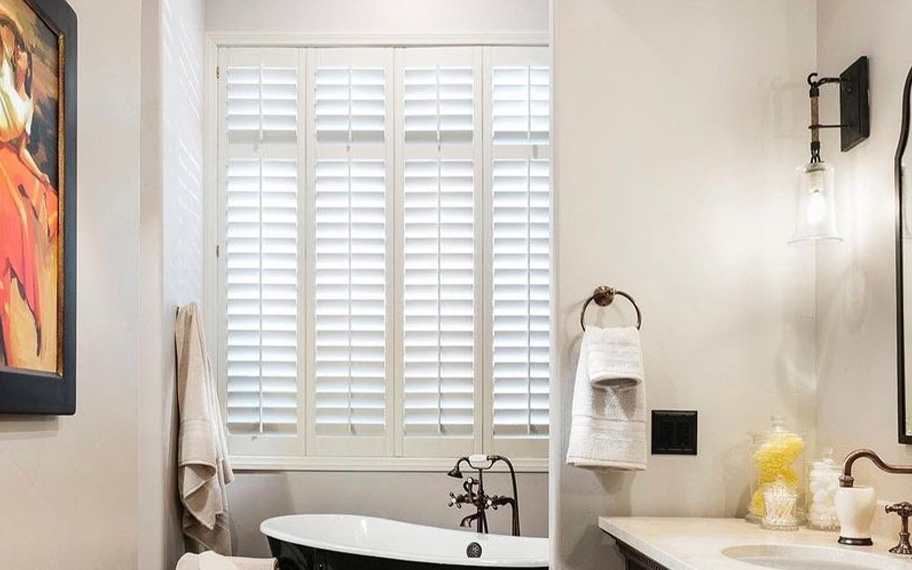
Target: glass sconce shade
(816, 204)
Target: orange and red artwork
(34, 196)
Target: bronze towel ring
(604, 296)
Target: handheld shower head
(455, 472)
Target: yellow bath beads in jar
(777, 455)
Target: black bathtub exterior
(297, 557)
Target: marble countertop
(697, 543)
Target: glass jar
(822, 482)
(776, 452)
(780, 501)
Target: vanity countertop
(697, 543)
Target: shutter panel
(350, 368)
(260, 261)
(439, 152)
(519, 178)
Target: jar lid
(826, 461)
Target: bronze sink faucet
(904, 510)
(846, 479)
(475, 495)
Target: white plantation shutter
(259, 177)
(351, 293)
(519, 179)
(385, 252)
(439, 144)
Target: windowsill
(368, 464)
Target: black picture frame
(30, 392)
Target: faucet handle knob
(903, 509)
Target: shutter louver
(439, 323)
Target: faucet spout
(847, 480)
(466, 522)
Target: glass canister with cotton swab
(776, 452)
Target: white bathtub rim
(268, 528)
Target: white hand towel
(608, 425)
(213, 561)
(614, 357)
(203, 467)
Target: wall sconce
(816, 199)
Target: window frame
(214, 269)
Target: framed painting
(37, 207)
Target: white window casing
(383, 280)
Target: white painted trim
(211, 305)
(556, 436)
(375, 464)
(262, 39)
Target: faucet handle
(456, 501)
(904, 510)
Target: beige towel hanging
(203, 467)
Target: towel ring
(604, 296)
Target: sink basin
(783, 557)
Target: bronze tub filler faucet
(475, 494)
(904, 510)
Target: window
(384, 251)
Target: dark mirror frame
(904, 437)
(30, 392)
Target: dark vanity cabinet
(636, 560)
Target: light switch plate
(674, 432)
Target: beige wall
(416, 497)
(68, 485)
(678, 129)
(377, 17)
(172, 249)
(855, 291)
